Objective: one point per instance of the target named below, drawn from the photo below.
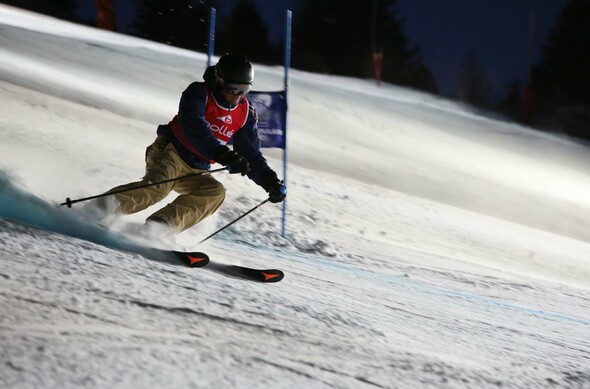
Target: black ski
(247, 273)
(199, 259)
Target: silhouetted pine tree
(563, 75)
(512, 103)
(244, 31)
(473, 86)
(180, 23)
(561, 81)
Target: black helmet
(234, 69)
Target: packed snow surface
(428, 244)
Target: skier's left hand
(277, 192)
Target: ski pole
(229, 224)
(69, 202)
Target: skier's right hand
(277, 192)
(234, 162)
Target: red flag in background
(377, 66)
(106, 18)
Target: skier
(210, 114)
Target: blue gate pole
(211, 45)
(288, 19)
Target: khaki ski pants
(199, 196)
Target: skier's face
(232, 93)
(230, 98)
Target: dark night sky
(446, 30)
(497, 30)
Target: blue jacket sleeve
(247, 144)
(191, 117)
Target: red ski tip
(196, 261)
(272, 277)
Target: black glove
(277, 192)
(235, 162)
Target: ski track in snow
(109, 313)
(448, 249)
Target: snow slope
(428, 245)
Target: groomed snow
(428, 244)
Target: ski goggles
(237, 89)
